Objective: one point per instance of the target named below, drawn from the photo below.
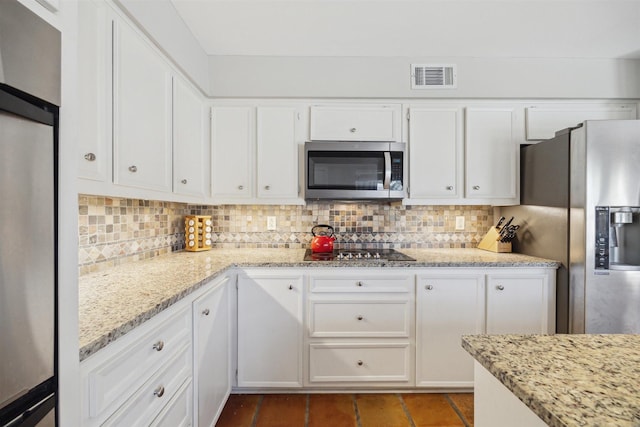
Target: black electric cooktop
(357, 255)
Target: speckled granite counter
(114, 301)
(567, 380)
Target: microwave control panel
(396, 166)
(602, 238)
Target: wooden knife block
(491, 242)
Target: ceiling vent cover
(433, 76)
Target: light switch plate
(459, 223)
(271, 223)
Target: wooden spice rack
(197, 232)
(491, 242)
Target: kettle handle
(322, 225)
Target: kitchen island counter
(566, 380)
(118, 299)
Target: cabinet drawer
(379, 362)
(178, 411)
(155, 394)
(113, 381)
(358, 284)
(359, 319)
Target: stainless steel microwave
(345, 170)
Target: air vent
(433, 76)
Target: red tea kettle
(322, 240)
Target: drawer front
(384, 362)
(178, 412)
(114, 381)
(155, 394)
(361, 284)
(359, 319)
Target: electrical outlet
(271, 223)
(459, 223)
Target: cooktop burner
(358, 255)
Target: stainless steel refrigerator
(29, 95)
(580, 204)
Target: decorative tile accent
(113, 231)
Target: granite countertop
(114, 301)
(567, 380)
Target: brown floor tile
(381, 410)
(464, 402)
(239, 410)
(431, 410)
(282, 410)
(335, 410)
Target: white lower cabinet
(270, 328)
(360, 329)
(212, 352)
(448, 305)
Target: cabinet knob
(360, 317)
(205, 312)
(159, 392)
(449, 187)
(158, 346)
(133, 168)
(184, 181)
(267, 187)
(429, 287)
(240, 187)
(500, 287)
(359, 283)
(290, 287)
(90, 157)
(476, 187)
(360, 362)
(352, 130)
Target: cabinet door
(447, 308)
(434, 153)
(277, 149)
(232, 135)
(189, 154)
(211, 352)
(94, 91)
(490, 153)
(141, 113)
(270, 331)
(518, 304)
(355, 123)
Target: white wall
(380, 77)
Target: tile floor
(353, 410)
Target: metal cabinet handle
(184, 181)
(500, 288)
(476, 187)
(133, 168)
(267, 187)
(159, 392)
(360, 317)
(352, 130)
(359, 283)
(90, 157)
(158, 346)
(205, 311)
(429, 287)
(360, 363)
(449, 187)
(240, 187)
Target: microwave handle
(387, 170)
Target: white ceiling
(387, 28)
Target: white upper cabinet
(141, 113)
(491, 161)
(277, 152)
(544, 120)
(232, 136)
(356, 123)
(435, 153)
(190, 157)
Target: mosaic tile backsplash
(117, 230)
